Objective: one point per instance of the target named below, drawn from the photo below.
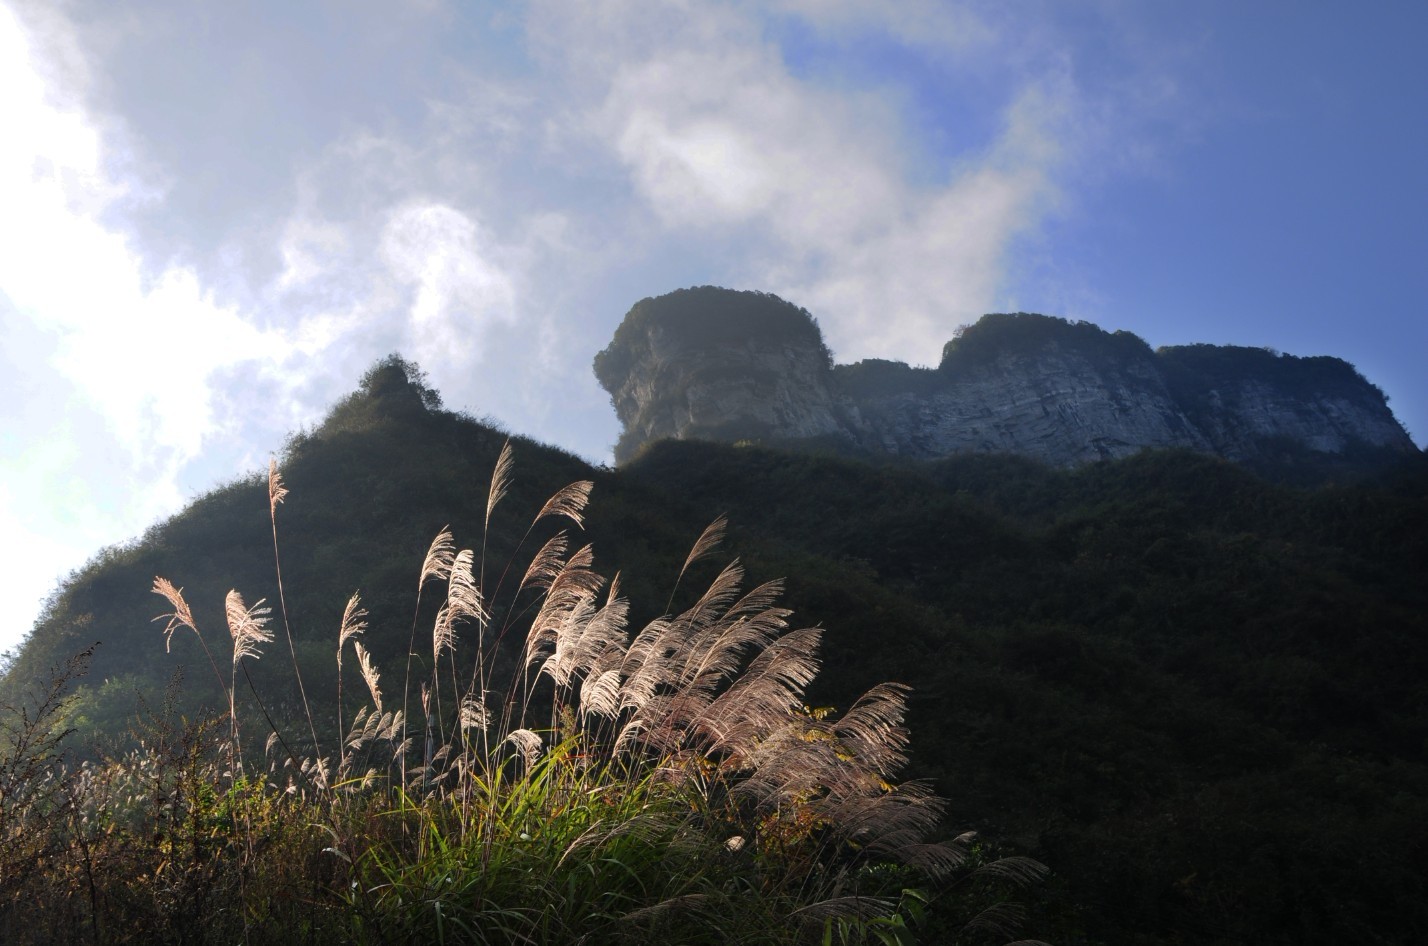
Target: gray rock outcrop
(723, 365)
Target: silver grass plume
(569, 502)
(766, 694)
(562, 628)
(474, 714)
(707, 542)
(1018, 870)
(695, 624)
(570, 594)
(354, 622)
(585, 638)
(277, 492)
(181, 616)
(463, 594)
(999, 919)
(872, 727)
(674, 654)
(439, 556)
(529, 745)
(369, 674)
(576, 576)
(719, 649)
(600, 694)
(500, 481)
(443, 632)
(885, 820)
(246, 625)
(360, 732)
(646, 663)
(817, 914)
(719, 663)
(370, 727)
(463, 602)
(546, 563)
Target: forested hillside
(1195, 694)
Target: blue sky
(215, 216)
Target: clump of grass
(570, 781)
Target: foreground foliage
(592, 786)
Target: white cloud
(126, 362)
(943, 254)
(373, 261)
(47, 139)
(441, 254)
(29, 577)
(814, 183)
(138, 351)
(308, 248)
(727, 136)
(937, 24)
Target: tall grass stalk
(277, 492)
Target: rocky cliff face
(718, 365)
(723, 365)
(726, 392)
(1058, 399)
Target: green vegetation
(578, 784)
(1195, 694)
(1202, 377)
(705, 316)
(1215, 365)
(878, 377)
(1022, 332)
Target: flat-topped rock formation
(720, 364)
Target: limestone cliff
(718, 364)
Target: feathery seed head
(707, 542)
(474, 714)
(277, 492)
(443, 632)
(529, 745)
(568, 502)
(463, 595)
(353, 623)
(439, 557)
(369, 674)
(546, 563)
(500, 480)
(181, 616)
(247, 626)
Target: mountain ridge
(726, 365)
